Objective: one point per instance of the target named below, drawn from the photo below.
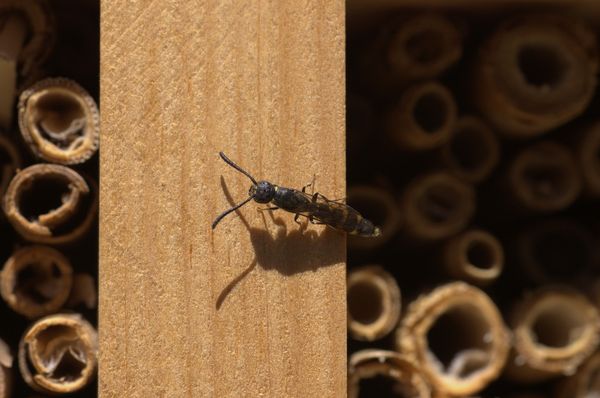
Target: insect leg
(312, 221)
(267, 208)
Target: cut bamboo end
(583, 384)
(475, 256)
(555, 330)
(473, 151)
(436, 206)
(10, 162)
(588, 156)
(378, 206)
(423, 118)
(536, 73)
(59, 121)
(544, 178)
(556, 250)
(50, 204)
(457, 337)
(84, 292)
(423, 47)
(36, 281)
(6, 362)
(402, 372)
(58, 354)
(373, 303)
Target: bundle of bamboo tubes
(474, 143)
(49, 130)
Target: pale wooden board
(181, 80)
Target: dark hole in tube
(425, 46)
(558, 326)
(439, 203)
(381, 386)
(481, 254)
(430, 112)
(545, 181)
(364, 302)
(42, 196)
(541, 65)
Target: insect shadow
(287, 252)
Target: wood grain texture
(255, 307)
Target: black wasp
(316, 207)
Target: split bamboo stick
(555, 330)
(535, 73)
(457, 337)
(374, 303)
(406, 377)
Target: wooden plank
(252, 308)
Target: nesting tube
(402, 372)
(6, 362)
(544, 178)
(585, 383)
(555, 251)
(475, 256)
(473, 151)
(378, 206)
(10, 162)
(554, 331)
(59, 121)
(436, 206)
(36, 281)
(457, 337)
(58, 354)
(51, 204)
(588, 157)
(373, 303)
(536, 73)
(423, 118)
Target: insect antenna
(238, 168)
(234, 208)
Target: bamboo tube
(36, 281)
(84, 292)
(555, 330)
(379, 206)
(10, 162)
(585, 383)
(423, 118)
(544, 178)
(409, 49)
(475, 256)
(50, 204)
(588, 157)
(59, 121)
(457, 337)
(6, 362)
(58, 354)
(401, 371)
(13, 28)
(373, 303)
(472, 152)
(436, 206)
(556, 250)
(536, 73)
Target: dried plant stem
(380, 207)
(536, 73)
(367, 364)
(475, 256)
(555, 330)
(36, 281)
(436, 206)
(58, 354)
(544, 178)
(59, 121)
(472, 152)
(75, 202)
(373, 303)
(457, 336)
(13, 29)
(6, 363)
(423, 118)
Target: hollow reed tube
(423, 118)
(58, 354)
(403, 374)
(554, 330)
(457, 336)
(6, 374)
(475, 256)
(374, 302)
(535, 73)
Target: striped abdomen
(345, 218)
